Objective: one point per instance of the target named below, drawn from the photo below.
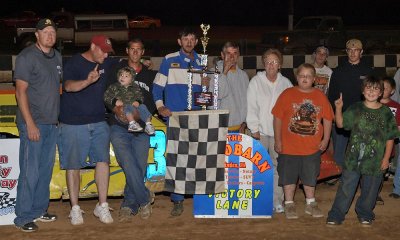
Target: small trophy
(203, 98)
(204, 42)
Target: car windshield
(308, 24)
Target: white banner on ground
(9, 171)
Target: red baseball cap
(103, 43)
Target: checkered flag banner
(5, 201)
(196, 152)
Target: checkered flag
(196, 152)
(5, 201)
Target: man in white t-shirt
(323, 72)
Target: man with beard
(170, 87)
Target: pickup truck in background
(20, 19)
(310, 32)
(78, 29)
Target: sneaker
(313, 210)
(279, 209)
(134, 127)
(47, 217)
(394, 195)
(75, 215)
(333, 223)
(149, 129)
(145, 211)
(379, 201)
(177, 210)
(290, 211)
(332, 182)
(365, 222)
(102, 211)
(29, 227)
(125, 214)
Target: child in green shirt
(373, 130)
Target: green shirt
(127, 95)
(370, 129)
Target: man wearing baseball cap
(347, 79)
(37, 76)
(103, 43)
(84, 131)
(45, 22)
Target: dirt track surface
(162, 226)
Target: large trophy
(203, 98)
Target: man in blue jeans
(132, 149)
(37, 79)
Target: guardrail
(385, 64)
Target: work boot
(177, 210)
(313, 210)
(290, 211)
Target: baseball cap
(103, 43)
(45, 22)
(354, 43)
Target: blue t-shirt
(85, 106)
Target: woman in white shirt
(262, 93)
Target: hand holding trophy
(203, 98)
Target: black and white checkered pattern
(5, 201)
(196, 152)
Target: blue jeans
(340, 139)
(175, 197)
(131, 151)
(143, 111)
(36, 161)
(344, 196)
(396, 180)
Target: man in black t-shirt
(131, 149)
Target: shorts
(78, 142)
(293, 167)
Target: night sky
(223, 12)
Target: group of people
(79, 123)
(107, 100)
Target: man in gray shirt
(232, 87)
(38, 70)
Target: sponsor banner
(248, 180)
(9, 171)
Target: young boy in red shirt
(302, 126)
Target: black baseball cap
(45, 22)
